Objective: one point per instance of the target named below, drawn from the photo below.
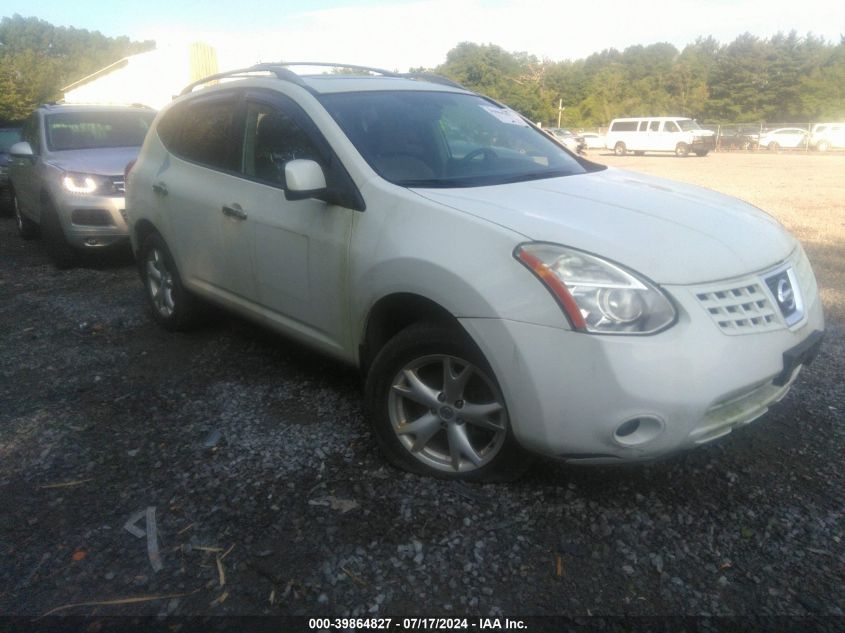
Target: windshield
(689, 124)
(8, 137)
(92, 130)
(441, 139)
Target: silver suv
(67, 176)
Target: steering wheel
(486, 152)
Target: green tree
(37, 59)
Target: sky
(399, 34)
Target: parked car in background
(571, 141)
(8, 137)
(738, 137)
(67, 176)
(501, 295)
(659, 134)
(592, 140)
(825, 136)
(784, 138)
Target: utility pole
(560, 110)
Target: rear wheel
(62, 254)
(701, 152)
(173, 307)
(773, 146)
(823, 146)
(682, 149)
(437, 409)
(639, 153)
(27, 229)
(619, 149)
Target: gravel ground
(270, 497)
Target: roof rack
(281, 71)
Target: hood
(110, 161)
(671, 232)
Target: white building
(152, 78)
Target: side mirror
(304, 179)
(21, 150)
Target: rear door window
(209, 133)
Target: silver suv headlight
(596, 295)
(86, 183)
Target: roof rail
(280, 69)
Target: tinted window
(624, 126)
(93, 130)
(671, 126)
(208, 134)
(169, 126)
(654, 126)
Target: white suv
(502, 296)
(825, 136)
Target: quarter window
(208, 134)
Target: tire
(173, 307)
(701, 153)
(639, 153)
(773, 146)
(682, 149)
(462, 425)
(27, 229)
(823, 146)
(619, 149)
(62, 254)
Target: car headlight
(86, 183)
(596, 295)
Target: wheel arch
(393, 313)
(141, 231)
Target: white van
(659, 134)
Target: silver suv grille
(118, 184)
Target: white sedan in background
(593, 140)
(787, 137)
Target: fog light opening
(638, 431)
(92, 241)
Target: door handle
(160, 188)
(234, 210)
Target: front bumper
(93, 222)
(595, 398)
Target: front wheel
(682, 149)
(173, 307)
(437, 409)
(773, 146)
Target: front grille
(118, 184)
(739, 308)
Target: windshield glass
(90, 130)
(689, 124)
(441, 139)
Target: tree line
(784, 78)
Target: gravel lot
(270, 497)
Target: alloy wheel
(447, 413)
(160, 282)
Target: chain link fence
(800, 136)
